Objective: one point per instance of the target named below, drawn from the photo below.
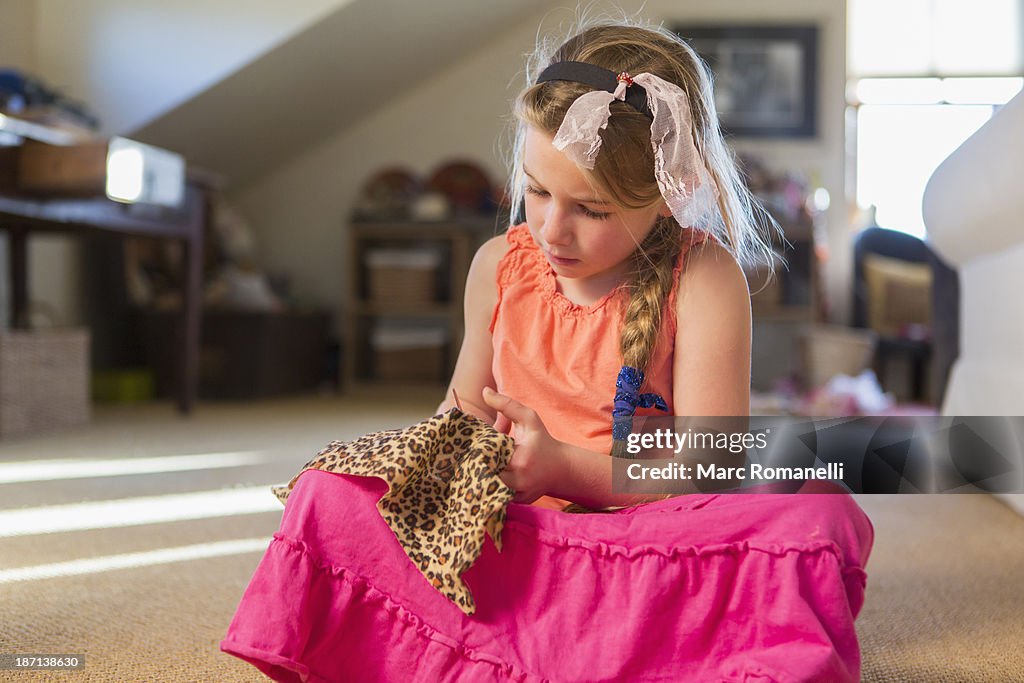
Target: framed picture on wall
(765, 77)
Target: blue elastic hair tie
(628, 398)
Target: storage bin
(412, 354)
(124, 386)
(44, 380)
(830, 350)
(408, 276)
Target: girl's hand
(538, 461)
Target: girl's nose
(557, 229)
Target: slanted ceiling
(324, 79)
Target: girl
(624, 277)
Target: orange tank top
(561, 358)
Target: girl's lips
(560, 261)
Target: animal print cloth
(443, 495)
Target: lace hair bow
(682, 177)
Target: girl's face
(582, 234)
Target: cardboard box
(830, 350)
(76, 170)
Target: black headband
(596, 77)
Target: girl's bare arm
(473, 367)
(711, 367)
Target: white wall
(17, 33)
(132, 60)
(300, 212)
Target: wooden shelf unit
(785, 310)
(794, 296)
(456, 241)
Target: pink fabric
(705, 588)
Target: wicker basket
(44, 380)
(403, 275)
(830, 350)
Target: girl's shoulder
(500, 259)
(487, 260)
(711, 279)
(706, 258)
(494, 249)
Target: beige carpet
(945, 596)
(945, 599)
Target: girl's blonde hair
(624, 168)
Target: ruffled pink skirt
(751, 587)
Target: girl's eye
(593, 214)
(530, 189)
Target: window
(925, 74)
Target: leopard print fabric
(443, 495)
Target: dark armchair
(914, 287)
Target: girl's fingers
(502, 424)
(512, 410)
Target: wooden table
(21, 215)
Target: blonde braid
(653, 279)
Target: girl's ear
(664, 211)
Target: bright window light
(924, 76)
(993, 90)
(980, 90)
(886, 38)
(898, 149)
(935, 37)
(976, 37)
(902, 90)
